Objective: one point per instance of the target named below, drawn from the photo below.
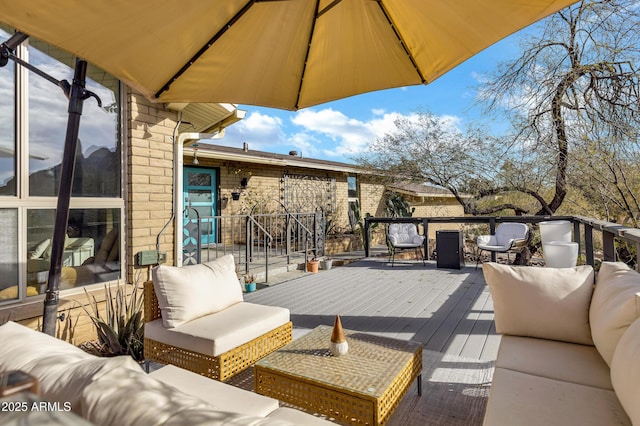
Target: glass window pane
(352, 187)
(8, 254)
(98, 165)
(200, 196)
(92, 247)
(7, 125)
(199, 179)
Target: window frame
(22, 202)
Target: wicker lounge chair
(218, 344)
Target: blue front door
(199, 193)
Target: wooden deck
(447, 310)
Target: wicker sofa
(570, 351)
(196, 319)
(117, 391)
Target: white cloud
(350, 136)
(324, 133)
(261, 131)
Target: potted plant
(326, 263)
(312, 265)
(235, 194)
(120, 329)
(249, 283)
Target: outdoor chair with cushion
(508, 237)
(404, 236)
(196, 319)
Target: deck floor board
(448, 311)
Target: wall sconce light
(244, 182)
(195, 154)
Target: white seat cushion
(541, 302)
(614, 306)
(220, 396)
(133, 398)
(189, 292)
(568, 362)
(519, 399)
(218, 333)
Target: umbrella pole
(76, 93)
(76, 100)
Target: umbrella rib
(306, 56)
(204, 48)
(401, 40)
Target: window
(352, 187)
(7, 130)
(31, 146)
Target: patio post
(366, 237)
(492, 231)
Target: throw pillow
(189, 292)
(614, 306)
(548, 303)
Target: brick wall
(149, 188)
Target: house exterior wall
(439, 207)
(148, 196)
(147, 190)
(149, 186)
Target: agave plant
(121, 329)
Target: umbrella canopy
(287, 54)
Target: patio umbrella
(287, 54)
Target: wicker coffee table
(362, 387)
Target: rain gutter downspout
(178, 166)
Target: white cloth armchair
(508, 237)
(404, 236)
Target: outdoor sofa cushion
(27, 345)
(519, 398)
(225, 330)
(62, 370)
(189, 292)
(625, 371)
(548, 303)
(220, 396)
(615, 305)
(568, 362)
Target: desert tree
(574, 87)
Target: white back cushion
(511, 231)
(189, 292)
(403, 232)
(548, 303)
(614, 306)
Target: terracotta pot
(312, 266)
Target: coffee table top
(370, 367)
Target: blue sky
(341, 129)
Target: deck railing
(612, 234)
(255, 240)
